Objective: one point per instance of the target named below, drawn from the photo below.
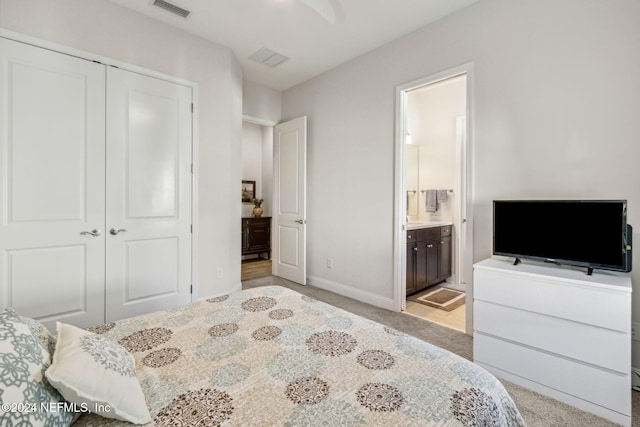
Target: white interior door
(51, 185)
(463, 264)
(148, 221)
(290, 204)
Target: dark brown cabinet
(412, 249)
(428, 257)
(445, 254)
(256, 236)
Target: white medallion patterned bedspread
(270, 356)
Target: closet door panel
(51, 185)
(47, 175)
(152, 157)
(42, 278)
(145, 275)
(148, 194)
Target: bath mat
(441, 298)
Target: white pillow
(98, 374)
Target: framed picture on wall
(248, 191)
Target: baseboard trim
(348, 291)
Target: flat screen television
(586, 233)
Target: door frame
(195, 117)
(464, 177)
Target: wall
(431, 120)
(261, 108)
(102, 28)
(554, 116)
(261, 104)
(267, 169)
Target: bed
(272, 356)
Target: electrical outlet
(219, 272)
(635, 331)
(329, 263)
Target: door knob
(115, 231)
(95, 232)
(300, 221)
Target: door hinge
(191, 228)
(191, 290)
(191, 168)
(192, 108)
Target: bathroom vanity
(428, 254)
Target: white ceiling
(295, 30)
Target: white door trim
(259, 121)
(46, 44)
(400, 209)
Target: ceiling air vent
(170, 7)
(268, 57)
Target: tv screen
(588, 233)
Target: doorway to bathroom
(433, 239)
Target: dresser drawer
(554, 335)
(432, 233)
(445, 230)
(594, 385)
(412, 236)
(579, 303)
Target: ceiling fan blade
(323, 8)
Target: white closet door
(148, 194)
(51, 185)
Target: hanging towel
(431, 200)
(441, 196)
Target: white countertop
(415, 225)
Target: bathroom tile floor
(454, 319)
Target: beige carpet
(536, 409)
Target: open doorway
(433, 239)
(257, 176)
(274, 159)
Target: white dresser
(556, 331)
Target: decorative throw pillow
(26, 396)
(98, 375)
(42, 333)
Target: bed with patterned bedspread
(271, 356)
